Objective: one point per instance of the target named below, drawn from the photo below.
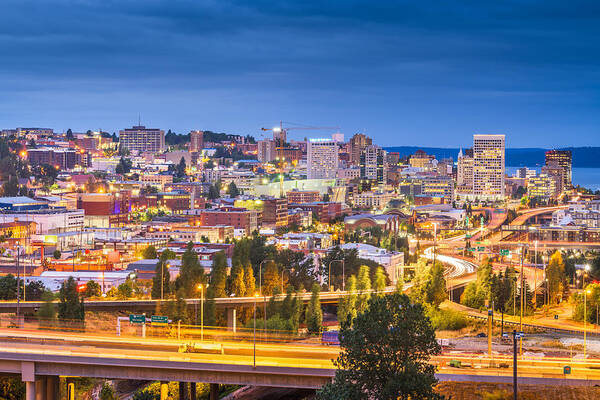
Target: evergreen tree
(555, 273)
(363, 285)
(386, 354)
(210, 308)
(162, 271)
(191, 274)
(314, 314)
(218, 275)
(92, 289)
(249, 281)
(435, 288)
(70, 307)
(181, 309)
(149, 253)
(47, 312)
(379, 285)
(237, 285)
(271, 279)
(347, 304)
(181, 168)
(233, 190)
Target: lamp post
(162, 278)
(201, 287)
(585, 293)
(254, 338)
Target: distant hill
(583, 157)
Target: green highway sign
(504, 252)
(468, 236)
(480, 248)
(471, 249)
(137, 318)
(159, 319)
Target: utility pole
(515, 390)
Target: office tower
(266, 151)
(564, 159)
(196, 141)
(142, 139)
(338, 137)
(358, 143)
(373, 164)
(421, 160)
(464, 172)
(280, 137)
(488, 167)
(322, 159)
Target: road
(308, 364)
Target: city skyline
(403, 74)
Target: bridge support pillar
(192, 390)
(164, 390)
(52, 387)
(183, 392)
(30, 390)
(214, 391)
(40, 388)
(231, 319)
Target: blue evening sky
(427, 73)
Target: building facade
(358, 143)
(322, 159)
(564, 159)
(142, 139)
(488, 166)
(373, 164)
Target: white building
(266, 151)
(48, 220)
(373, 164)
(142, 139)
(322, 159)
(488, 167)
(392, 262)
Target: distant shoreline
(583, 157)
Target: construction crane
(280, 137)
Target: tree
(149, 253)
(70, 135)
(501, 290)
(396, 365)
(363, 286)
(47, 312)
(249, 281)
(180, 170)
(70, 306)
(124, 166)
(476, 293)
(237, 285)
(191, 273)
(555, 273)
(56, 254)
(271, 279)
(379, 281)
(347, 304)
(8, 287)
(435, 288)
(161, 282)
(108, 392)
(314, 314)
(232, 190)
(92, 289)
(213, 192)
(218, 275)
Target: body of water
(585, 177)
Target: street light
(162, 279)
(585, 293)
(201, 287)
(254, 339)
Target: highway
(300, 365)
(459, 267)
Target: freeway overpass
(39, 357)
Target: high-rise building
(358, 143)
(373, 164)
(196, 140)
(564, 159)
(280, 136)
(464, 172)
(488, 166)
(322, 159)
(142, 139)
(266, 151)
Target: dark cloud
(406, 72)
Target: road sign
(137, 318)
(480, 248)
(567, 370)
(504, 252)
(468, 236)
(555, 316)
(471, 249)
(159, 319)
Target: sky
(422, 73)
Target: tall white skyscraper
(322, 159)
(488, 166)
